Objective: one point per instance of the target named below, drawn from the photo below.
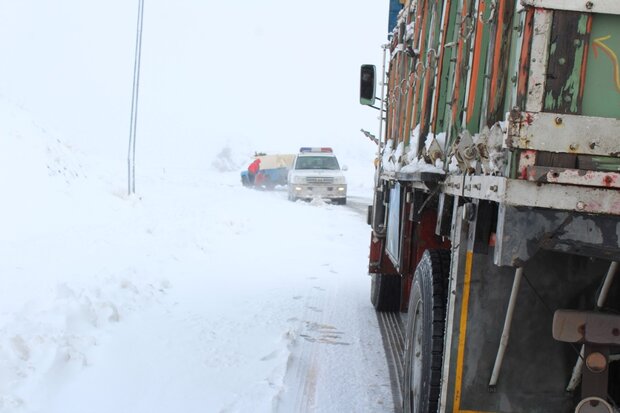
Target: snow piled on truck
(407, 159)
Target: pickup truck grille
(320, 180)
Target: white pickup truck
(317, 174)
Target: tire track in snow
(302, 368)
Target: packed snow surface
(194, 295)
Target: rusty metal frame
(517, 192)
(599, 327)
(573, 176)
(584, 6)
(562, 133)
(538, 60)
(522, 232)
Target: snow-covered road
(198, 295)
(195, 295)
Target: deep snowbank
(64, 278)
(194, 295)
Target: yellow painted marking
(462, 333)
(456, 408)
(598, 42)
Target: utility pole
(131, 155)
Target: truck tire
(385, 292)
(424, 336)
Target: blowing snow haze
(196, 295)
(271, 75)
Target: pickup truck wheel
(425, 333)
(385, 292)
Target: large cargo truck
(496, 212)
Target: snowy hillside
(61, 286)
(195, 295)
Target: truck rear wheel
(385, 292)
(425, 333)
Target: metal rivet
(573, 147)
(558, 120)
(589, 5)
(596, 362)
(580, 205)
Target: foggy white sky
(276, 74)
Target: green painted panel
(474, 111)
(447, 72)
(421, 81)
(569, 39)
(458, 96)
(433, 11)
(602, 90)
(513, 65)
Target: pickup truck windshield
(317, 162)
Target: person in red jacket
(253, 170)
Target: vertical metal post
(506, 332)
(131, 155)
(378, 211)
(609, 279)
(384, 47)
